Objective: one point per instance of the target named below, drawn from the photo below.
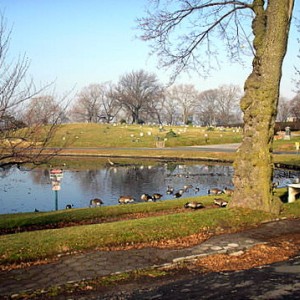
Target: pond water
(29, 190)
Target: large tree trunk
(254, 165)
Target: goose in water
(170, 190)
(178, 194)
(157, 196)
(196, 189)
(187, 187)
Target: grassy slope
(136, 136)
(35, 245)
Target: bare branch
(176, 33)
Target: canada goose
(125, 199)
(187, 187)
(220, 202)
(170, 190)
(194, 205)
(157, 196)
(96, 202)
(228, 191)
(69, 206)
(178, 194)
(214, 191)
(146, 198)
(36, 210)
(196, 189)
(275, 185)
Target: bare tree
(137, 92)
(170, 111)
(19, 143)
(219, 106)
(42, 110)
(207, 107)
(109, 105)
(284, 107)
(185, 96)
(295, 107)
(87, 107)
(183, 32)
(227, 103)
(154, 113)
(95, 103)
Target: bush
(210, 128)
(171, 134)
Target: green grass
(35, 245)
(137, 136)
(31, 246)
(23, 220)
(112, 139)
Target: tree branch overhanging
(201, 21)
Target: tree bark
(254, 164)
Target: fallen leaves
(278, 249)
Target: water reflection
(23, 191)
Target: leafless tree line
(139, 97)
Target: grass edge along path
(37, 245)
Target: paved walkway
(100, 263)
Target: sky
(81, 42)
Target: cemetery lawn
(143, 141)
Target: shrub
(171, 134)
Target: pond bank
(210, 153)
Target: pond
(29, 190)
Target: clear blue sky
(79, 42)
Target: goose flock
(96, 202)
(145, 197)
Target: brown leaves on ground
(278, 249)
(180, 242)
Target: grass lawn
(137, 136)
(130, 229)
(108, 140)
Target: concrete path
(100, 263)
(278, 281)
